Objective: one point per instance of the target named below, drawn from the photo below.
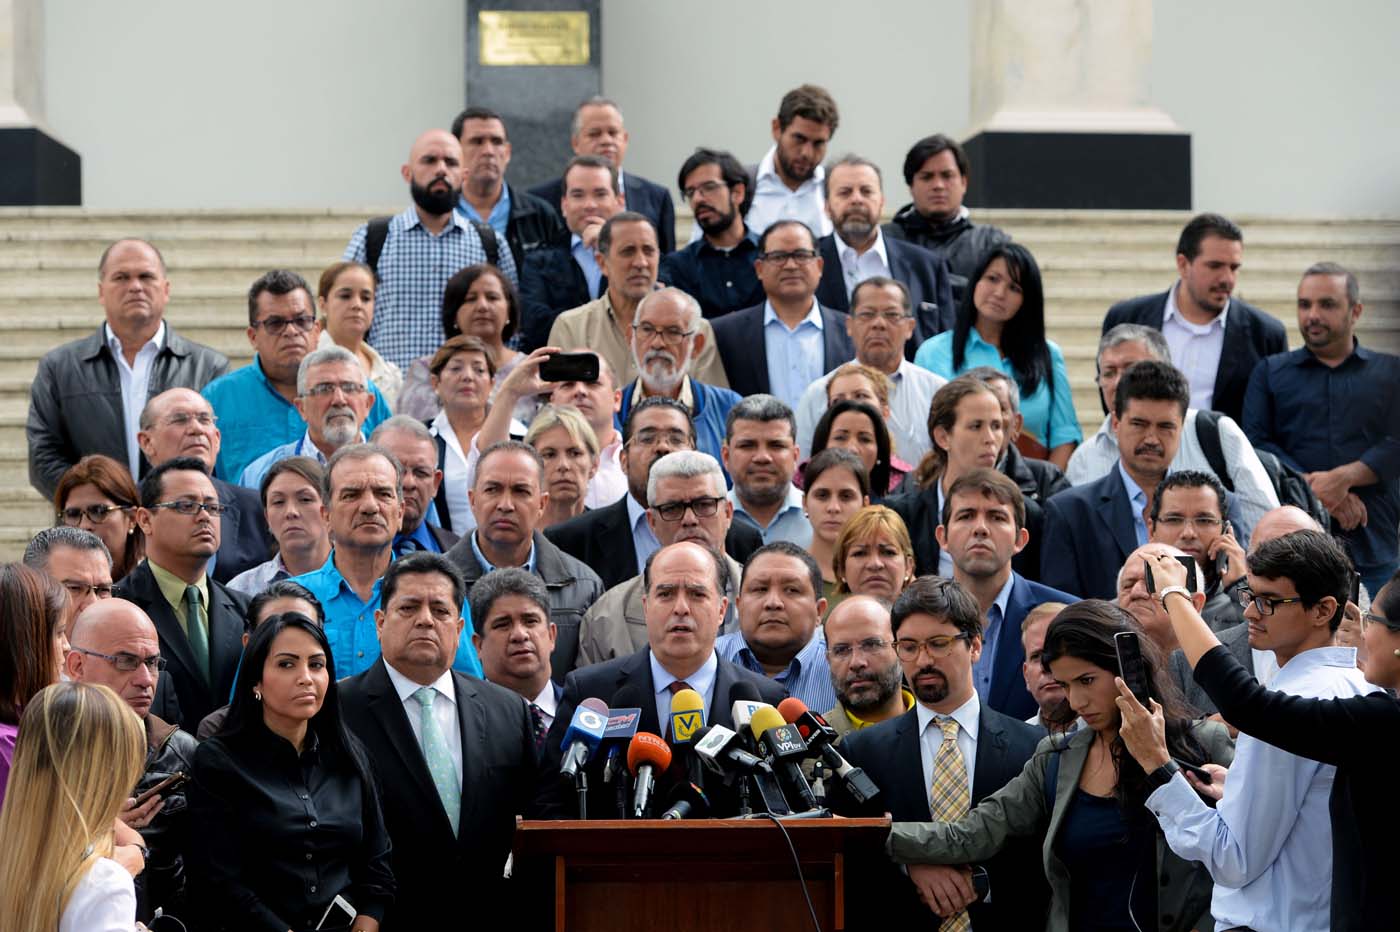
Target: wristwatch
(1163, 774)
(1163, 593)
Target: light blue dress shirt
(808, 676)
(702, 681)
(486, 564)
(1137, 498)
(1052, 424)
(588, 262)
(991, 632)
(500, 214)
(789, 524)
(1268, 844)
(796, 357)
(644, 542)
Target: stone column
(1061, 110)
(37, 168)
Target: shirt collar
(768, 171)
(327, 583)
(546, 700)
(750, 239)
(1004, 596)
(502, 206)
(965, 715)
(687, 394)
(793, 500)
(636, 512)
(487, 565)
(114, 342)
(1172, 311)
(405, 687)
(173, 587)
(702, 680)
(1135, 493)
(814, 648)
(421, 534)
(859, 723)
(847, 252)
(814, 316)
(1344, 657)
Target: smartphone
(570, 367)
(1186, 561)
(339, 915)
(1356, 589)
(1130, 665)
(1222, 559)
(164, 787)
(1200, 773)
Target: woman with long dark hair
(288, 816)
(1105, 859)
(858, 427)
(1001, 323)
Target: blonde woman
(569, 448)
(874, 555)
(80, 751)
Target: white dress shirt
(914, 388)
(547, 703)
(702, 681)
(609, 483)
(773, 200)
(444, 711)
(931, 736)
(135, 380)
(857, 267)
(1195, 348)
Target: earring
(1397, 653)
(257, 694)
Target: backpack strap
(376, 232)
(1208, 436)
(489, 241)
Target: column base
(1086, 171)
(39, 170)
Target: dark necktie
(538, 724)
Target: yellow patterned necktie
(950, 798)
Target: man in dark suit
(1090, 529)
(937, 761)
(200, 623)
(785, 344)
(416, 450)
(858, 249)
(598, 130)
(983, 526)
(615, 540)
(514, 638)
(181, 422)
(1214, 338)
(684, 609)
(453, 756)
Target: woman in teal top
(1001, 323)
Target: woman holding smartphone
(1108, 867)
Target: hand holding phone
(163, 788)
(1187, 562)
(570, 367)
(1131, 666)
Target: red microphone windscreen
(791, 709)
(647, 749)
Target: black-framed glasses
(321, 389)
(73, 516)
(870, 647)
(125, 662)
(940, 645)
(1263, 604)
(706, 188)
(800, 256)
(189, 507)
(669, 335)
(79, 590)
(704, 507)
(1199, 522)
(275, 325)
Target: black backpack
(378, 231)
(1290, 485)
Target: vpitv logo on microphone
(684, 725)
(786, 740)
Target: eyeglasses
(652, 437)
(703, 507)
(94, 513)
(938, 646)
(80, 589)
(706, 188)
(188, 507)
(1262, 603)
(669, 335)
(1200, 522)
(321, 389)
(800, 256)
(275, 325)
(202, 418)
(869, 647)
(127, 663)
(889, 317)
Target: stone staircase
(48, 259)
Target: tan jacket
(591, 326)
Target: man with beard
(760, 452)
(334, 399)
(857, 250)
(865, 670)
(1188, 513)
(422, 248)
(939, 760)
(1090, 529)
(666, 336)
(718, 267)
(788, 182)
(1215, 339)
(416, 450)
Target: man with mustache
(420, 250)
(857, 249)
(788, 181)
(717, 267)
(865, 670)
(1090, 529)
(1215, 339)
(1188, 513)
(334, 398)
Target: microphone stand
(581, 788)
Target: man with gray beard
(333, 399)
(666, 336)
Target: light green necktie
(194, 630)
(440, 766)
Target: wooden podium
(726, 874)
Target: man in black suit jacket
(201, 664)
(598, 130)
(857, 249)
(1194, 311)
(684, 609)
(488, 742)
(892, 754)
(791, 286)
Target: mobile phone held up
(570, 367)
(1186, 561)
(1130, 665)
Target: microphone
(691, 803)
(782, 744)
(743, 699)
(646, 755)
(722, 751)
(820, 737)
(623, 721)
(687, 717)
(583, 736)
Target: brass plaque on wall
(535, 38)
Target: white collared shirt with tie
(444, 712)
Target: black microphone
(623, 722)
(722, 751)
(690, 802)
(820, 738)
(783, 746)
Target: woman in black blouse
(288, 817)
(1356, 734)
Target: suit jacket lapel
(1116, 512)
(991, 748)
(228, 524)
(911, 796)
(614, 527)
(637, 671)
(751, 334)
(1007, 661)
(225, 637)
(172, 635)
(469, 719)
(836, 344)
(831, 290)
(1235, 350)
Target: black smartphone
(1356, 589)
(163, 788)
(1130, 665)
(1200, 773)
(1222, 559)
(570, 367)
(1187, 561)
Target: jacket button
(313, 888)
(313, 823)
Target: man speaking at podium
(684, 604)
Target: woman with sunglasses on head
(97, 494)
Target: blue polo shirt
(350, 623)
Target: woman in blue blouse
(1001, 323)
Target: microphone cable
(797, 864)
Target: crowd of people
(307, 636)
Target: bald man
(865, 670)
(414, 253)
(114, 644)
(1134, 598)
(181, 422)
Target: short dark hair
(836, 458)
(303, 466)
(1201, 226)
(476, 113)
(420, 563)
(940, 598)
(102, 262)
(731, 172)
(851, 160)
(786, 548)
(811, 103)
(1337, 269)
(927, 148)
(761, 408)
(152, 482)
(510, 446)
(510, 580)
(1190, 479)
(276, 282)
(41, 545)
(721, 566)
(359, 451)
(883, 281)
(656, 401)
(1313, 561)
(994, 485)
(587, 161)
(777, 225)
(605, 233)
(281, 589)
(1152, 380)
(454, 295)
